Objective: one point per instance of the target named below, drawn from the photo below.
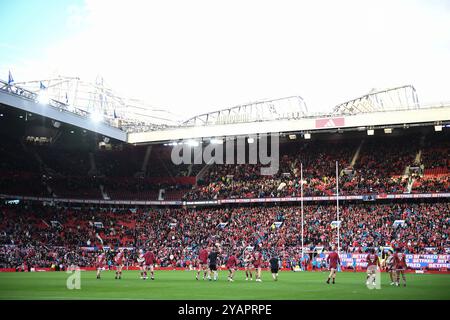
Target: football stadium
(76, 186)
(103, 196)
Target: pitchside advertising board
(373, 197)
(414, 261)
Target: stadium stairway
(43, 168)
(93, 168)
(99, 238)
(356, 154)
(104, 194)
(410, 185)
(418, 157)
(417, 161)
(148, 152)
(203, 170)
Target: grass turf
(174, 285)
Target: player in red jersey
(333, 260)
(257, 264)
(373, 263)
(149, 263)
(141, 263)
(202, 263)
(231, 266)
(248, 263)
(100, 263)
(400, 266)
(119, 259)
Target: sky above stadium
(202, 55)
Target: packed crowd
(42, 236)
(366, 166)
(377, 168)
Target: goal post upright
(337, 207)
(301, 205)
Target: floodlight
(292, 136)
(216, 141)
(43, 97)
(307, 136)
(192, 143)
(438, 128)
(250, 140)
(96, 117)
(370, 132)
(387, 130)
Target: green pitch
(174, 285)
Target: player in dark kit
(373, 262)
(274, 266)
(213, 264)
(333, 260)
(231, 266)
(400, 266)
(202, 263)
(149, 262)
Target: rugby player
(100, 264)
(333, 260)
(213, 257)
(141, 263)
(389, 266)
(274, 266)
(202, 263)
(400, 266)
(118, 259)
(149, 258)
(257, 264)
(248, 263)
(373, 263)
(231, 266)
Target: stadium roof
(95, 107)
(399, 98)
(268, 110)
(98, 98)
